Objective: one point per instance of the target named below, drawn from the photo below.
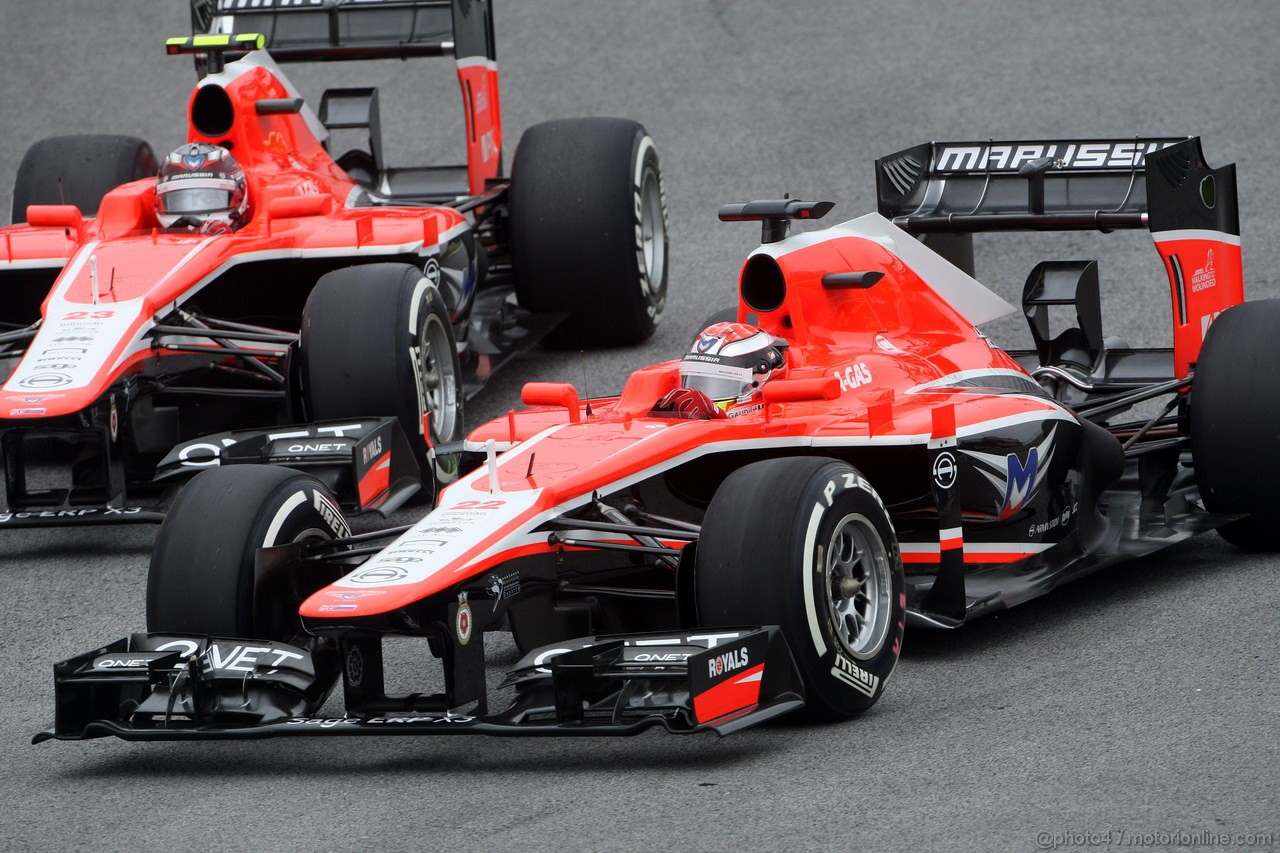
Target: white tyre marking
(281, 514)
(645, 144)
(810, 611)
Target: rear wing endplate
(328, 30)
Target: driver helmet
(202, 187)
(730, 363)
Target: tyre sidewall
(650, 291)
(577, 244)
(761, 560)
(202, 575)
(850, 684)
(363, 361)
(431, 311)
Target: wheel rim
(652, 231)
(859, 586)
(439, 382)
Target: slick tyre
(376, 342)
(1235, 422)
(203, 579)
(589, 229)
(79, 170)
(806, 544)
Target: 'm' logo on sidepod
(1016, 479)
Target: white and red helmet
(201, 186)
(730, 362)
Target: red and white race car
(748, 530)
(264, 280)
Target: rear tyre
(79, 170)
(202, 579)
(805, 544)
(1235, 422)
(589, 229)
(376, 342)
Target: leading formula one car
(747, 531)
(266, 280)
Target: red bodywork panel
(1206, 277)
(478, 78)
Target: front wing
(157, 687)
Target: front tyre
(377, 342)
(806, 544)
(202, 579)
(589, 229)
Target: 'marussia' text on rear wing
(944, 192)
(324, 30)
(963, 187)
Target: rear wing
(327, 30)
(945, 192)
(964, 187)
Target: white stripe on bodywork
(979, 547)
(1054, 413)
(1007, 547)
(76, 263)
(954, 379)
(33, 264)
(1195, 234)
(183, 261)
(477, 62)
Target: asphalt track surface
(1142, 701)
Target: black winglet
(851, 280)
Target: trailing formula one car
(746, 531)
(263, 280)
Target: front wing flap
(367, 462)
(153, 687)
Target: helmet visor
(720, 382)
(193, 201)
